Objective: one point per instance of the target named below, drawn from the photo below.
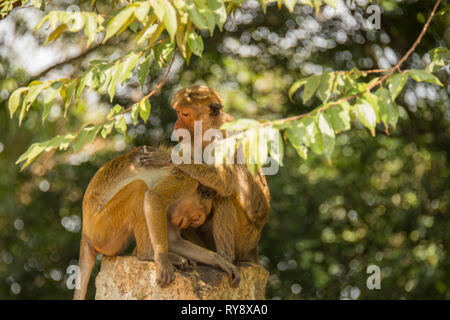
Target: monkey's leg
(224, 227)
(205, 256)
(86, 263)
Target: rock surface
(127, 278)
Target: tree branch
(390, 72)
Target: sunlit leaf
(195, 43)
(326, 86)
(339, 117)
(422, 75)
(388, 108)
(128, 66)
(295, 86)
(14, 100)
(327, 132)
(366, 114)
(143, 69)
(118, 21)
(107, 129)
(312, 83)
(87, 135)
(144, 109)
(120, 124)
(115, 78)
(396, 83)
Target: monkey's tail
(86, 262)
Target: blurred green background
(382, 200)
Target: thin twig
(376, 83)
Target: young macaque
(126, 200)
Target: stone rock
(127, 278)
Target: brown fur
(125, 200)
(242, 207)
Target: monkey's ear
(215, 109)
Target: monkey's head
(192, 210)
(199, 103)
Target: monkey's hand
(165, 271)
(180, 262)
(153, 156)
(232, 271)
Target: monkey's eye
(185, 114)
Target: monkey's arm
(217, 177)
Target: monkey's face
(191, 212)
(185, 119)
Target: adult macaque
(125, 199)
(242, 207)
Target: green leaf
(164, 52)
(119, 21)
(135, 114)
(443, 10)
(339, 117)
(32, 153)
(366, 114)
(87, 135)
(439, 57)
(326, 86)
(396, 83)
(33, 93)
(166, 13)
(69, 89)
(201, 15)
(120, 125)
(276, 146)
(143, 69)
(295, 86)
(56, 33)
(129, 65)
(290, 4)
(115, 111)
(80, 89)
(115, 78)
(60, 141)
(107, 128)
(144, 109)
(142, 10)
(195, 43)
(218, 11)
(327, 132)
(49, 96)
(424, 76)
(14, 100)
(332, 3)
(90, 28)
(240, 125)
(373, 101)
(312, 83)
(298, 136)
(388, 108)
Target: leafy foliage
(376, 199)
